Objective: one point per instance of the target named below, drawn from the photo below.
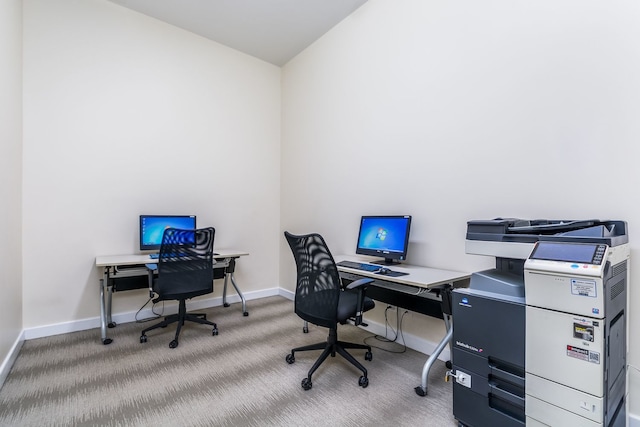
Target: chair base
(331, 347)
(181, 317)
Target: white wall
(125, 115)
(453, 111)
(10, 177)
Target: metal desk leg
(229, 274)
(421, 390)
(224, 290)
(448, 320)
(110, 323)
(103, 314)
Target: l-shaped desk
(131, 273)
(422, 289)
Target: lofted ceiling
(272, 30)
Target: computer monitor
(386, 236)
(152, 228)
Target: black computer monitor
(386, 236)
(152, 228)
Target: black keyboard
(157, 256)
(359, 266)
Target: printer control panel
(566, 257)
(584, 253)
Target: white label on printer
(583, 354)
(583, 288)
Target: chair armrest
(151, 268)
(359, 285)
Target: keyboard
(359, 266)
(156, 256)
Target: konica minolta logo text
(468, 347)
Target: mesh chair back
(318, 282)
(185, 264)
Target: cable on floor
(387, 326)
(147, 319)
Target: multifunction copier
(541, 339)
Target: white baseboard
(413, 342)
(94, 322)
(634, 420)
(287, 294)
(11, 358)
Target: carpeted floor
(238, 378)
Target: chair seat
(348, 304)
(314, 308)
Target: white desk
(124, 265)
(423, 289)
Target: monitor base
(386, 261)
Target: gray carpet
(238, 378)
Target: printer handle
(496, 391)
(502, 375)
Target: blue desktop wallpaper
(153, 227)
(385, 234)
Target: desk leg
(449, 326)
(224, 290)
(421, 390)
(229, 274)
(103, 314)
(110, 323)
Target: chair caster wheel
(226, 304)
(448, 364)
(290, 359)
(305, 330)
(368, 356)
(143, 339)
(245, 313)
(111, 325)
(107, 341)
(214, 332)
(363, 382)
(306, 384)
(173, 344)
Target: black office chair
(321, 300)
(184, 271)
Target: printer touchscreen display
(567, 252)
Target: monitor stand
(386, 261)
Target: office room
(446, 111)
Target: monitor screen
(152, 228)
(386, 236)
